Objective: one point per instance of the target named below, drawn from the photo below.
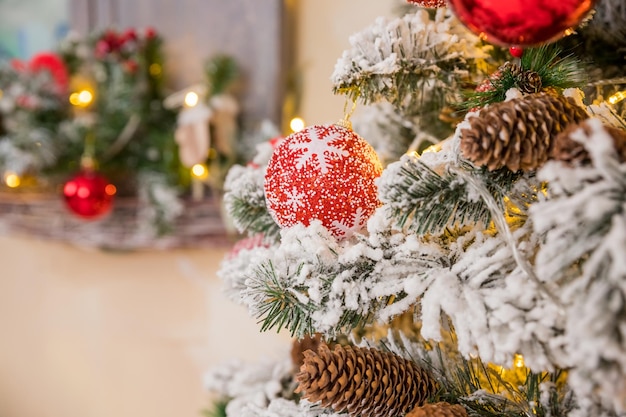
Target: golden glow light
(191, 99)
(199, 171)
(518, 361)
(433, 148)
(81, 98)
(296, 124)
(617, 97)
(12, 180)
(110, 189)
(155, 69)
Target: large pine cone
(441, 409)
(573, 152)
(518, 133)
(363, 382)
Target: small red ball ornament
(89, 195)
(429, 4)
(521, 22)
(516, 51)
(326, 173)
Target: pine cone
(529, 82)
(298, 348)
(441, 409)
(515, 70)
(573, 152)
(363, 382)
(518, 133)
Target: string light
(81, 98)
(199, 171)
(617, 97)
(518, 361)
(12, 180)
(110, 189)
(191, 99)
(296, 124)
(155, 69)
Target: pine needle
(555, 69)
(427, 202)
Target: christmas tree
(92, 135)
(486, 276)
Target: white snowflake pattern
(343, 230)
(294, 198)
(319, 150)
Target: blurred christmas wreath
(92, 152)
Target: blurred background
(95, 330)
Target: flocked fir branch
(395, 59)
(245, 202)
(502, 263)
(482, 388)
(312, 282)
(583, 224)
(418, 63)
(427, 202)
(553, 67)
(244, 197)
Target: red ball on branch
(326, 173)
(89, 195)
(516, 51)
(521, 22)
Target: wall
(24, 33)
(323, 31)
(94, 334)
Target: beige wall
(85, 333)
(92, 334)
(323, 31)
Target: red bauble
(521, 22)
(326, 173)
(516, 51)
(430, 4)
(89, 195)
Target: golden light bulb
(617, 97)
(518, 361)
(296, 124)
(191, 99)
(110, 189)
(155, 69)
(199, 171)
(82, 98)
(12, 180)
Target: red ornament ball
(326, 173)
(516, 51)
(521, 22)
(89, 195)
(429, 4)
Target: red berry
(516, 51)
